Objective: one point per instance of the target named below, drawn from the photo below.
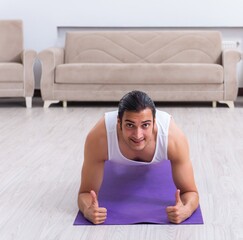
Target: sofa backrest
(147, 46)
(11, 40)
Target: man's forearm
(84, 201)
(190, 201)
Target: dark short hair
(135, 101)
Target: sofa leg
(48, 103)
(28, 102)
(230, 104)
(214, 104)
(64, 104)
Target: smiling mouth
(137, 141)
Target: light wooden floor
(41, 157)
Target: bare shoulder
(95, 155)
(179, 156)
(96, 142)
(178, 148)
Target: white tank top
(114, 153)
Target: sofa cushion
(11, 40)
(143, 47)
(139, 73)
(11, 72)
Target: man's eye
(146, 125)
(129, 125)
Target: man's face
(137, 128)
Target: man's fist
(177, 213)
(94, 213)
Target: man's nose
(138, 133)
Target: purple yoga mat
(137, 194)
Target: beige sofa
(16, 63)
(168, 65)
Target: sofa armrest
(50, 58)
(28, 60)
(230, 58)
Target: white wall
(43, 20)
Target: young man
(137, 134)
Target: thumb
(94, 199)
(178, 197)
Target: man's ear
(154, 122)
(119, 122)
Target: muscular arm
(95, 154)
(187, 197)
